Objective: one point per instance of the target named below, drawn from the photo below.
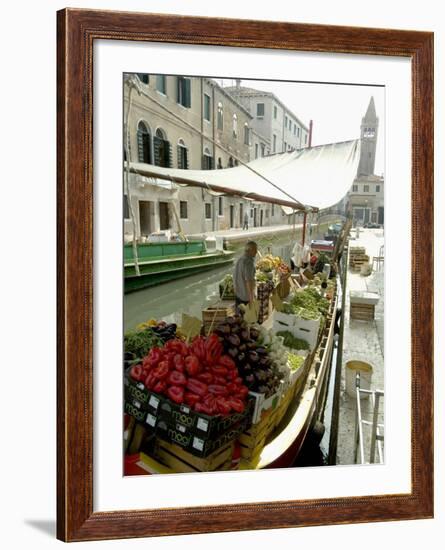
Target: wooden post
(303, 239)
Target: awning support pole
(303, 238)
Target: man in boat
(244, 275)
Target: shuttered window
(206, 107)
(208, 211)
(183, 156)
(162, 151)
(260, 109)
(184, 92)
(161, 84)
(144, 145)
(143, 77)
(183, 214)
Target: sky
(336, 109)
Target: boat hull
(156, 272)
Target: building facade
(366, 197)
(272, 119)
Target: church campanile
(368, 134)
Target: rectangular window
(208, 209)
(285, 147)
(285, 121)
(183, 210)
(183, 162)
(274, 146)
(126, 208)
(366, 189)
(377, 188)
(246, 135)
(251, 212)
(275, 111)
(273, 210)
(184, 96)
(207, 162)
(161, 84)
(143, 77)
(220, 206)
(256, 150)
(206, 107)
(260, 109)
(262, 150)
(295, 129)
(298, 132)
(290, 124)
(355, 188)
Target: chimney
(310, 133)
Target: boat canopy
(307, 179)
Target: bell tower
(368, 135)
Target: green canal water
(194, 293)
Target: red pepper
(198, 348)
(161, 371)
(232, 387)
(200, 408)
(155, 355)
(191, 398)
(214, 349)
(220, 380)
(149, 362)
(196, 386)
(242, 391)
(192, 365)
(222, 405)
(226, 361)
(232, 374)
(136, 372)
(176, 378)
(176, 394)
(219, 371)
(150, 381)
(160, 386)
(238, 381)
(236, 404)
(209, 401)
(206, 377)
(217, 389)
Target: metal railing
(377, 436)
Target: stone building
(366, 197)
(188, 123)
(271, 118)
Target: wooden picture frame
(77, 31)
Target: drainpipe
(310, 133)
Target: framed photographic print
(245, 334)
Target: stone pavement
(363, 340)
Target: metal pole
(376, 402)
(303, 239)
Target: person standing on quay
(244, 275)
(246, 221)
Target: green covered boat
(167, 261)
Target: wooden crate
(213, 315)
(362, 312)
(179, 460)
(253, 440)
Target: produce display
(268, 263)
(226, 287)
(198, 375)
(243, 344)
(139, 342)
(290, 341)
(307, 304)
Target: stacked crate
(357, 257)
(213, 315)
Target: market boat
(165, 261)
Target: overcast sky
(336, 109)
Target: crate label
(202, 424)
(151, 420)
(184, 409)
(154, 402)
(181, 428)
(183, 418)
(140, 386)
(137, 404)
(198, 444)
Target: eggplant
(241, 357)
(247, 368)
(234, 340)
(253, 357)
(225, 328)
(242, 347)
(233, 352)
(244, 334)
(261, 351)
(254, 333)
(251, 345)
(230, 320)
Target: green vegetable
(295, 361)
(290, 341)
(140, 342)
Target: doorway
(241, 219)
(145, 214)
(164, 216)
(232, 216)
(261, 218)
(254, 218)
(381, 215)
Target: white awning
(316, 177)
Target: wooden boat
(166, 261)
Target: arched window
(207, 160)
(246, 134)
(230, 162)
(162, 149)
(220, 117)
(235, 125)
(144, 143)
(183, 155)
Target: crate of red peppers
(194, 385)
